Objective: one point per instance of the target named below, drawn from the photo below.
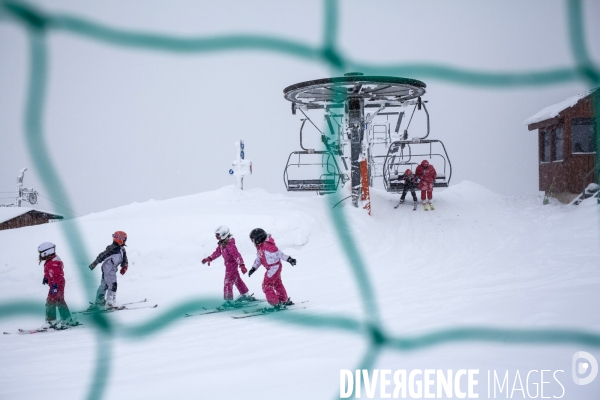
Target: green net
(38, 24)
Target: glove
(93, 265)
(123, 270)
(54, 288)
(252, 270)
(291, 261)
(45, 281)
(243, 268)
(206, 260)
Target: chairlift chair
(311, 161)
(400, 156)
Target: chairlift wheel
(32, 198)
(321, 92)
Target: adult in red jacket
(55, 279)
(426, 174)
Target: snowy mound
(479, 259)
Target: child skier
(114, 255)
(232, 258)
(55, 279)
(410, 183)
(426, 174)
(270, 256)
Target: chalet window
(545, 137)
(582, 135)
(558, 143)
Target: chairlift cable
(58, 204)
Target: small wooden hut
(567, 138)
(18, 217)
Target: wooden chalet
(567, 145)
(18, 217)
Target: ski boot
(431, 206)
(288, 302)
(227, 304)
(415, 206)
(96, 306)
(47, 325)
(112, 305)
(66, 324)
(400, 202)
(425, 206)
(245, 298)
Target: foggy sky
(128, 125)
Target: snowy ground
(478, 260)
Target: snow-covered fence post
(240, 167)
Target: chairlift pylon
(353, 93)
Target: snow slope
(478, 260)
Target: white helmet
(222, 232)
(45, 249)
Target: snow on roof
(7, 213)
(553, 110)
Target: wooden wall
(567, 174)
(28, 219)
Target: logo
(585, 368)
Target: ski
(120, 308)
(124, 304)
(263, 312)
(43, 330)
(224, 309)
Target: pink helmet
(424, 163)
(407, 172)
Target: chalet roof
(553, 110)
(8, 213)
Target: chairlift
(400, 156)
(310, 163)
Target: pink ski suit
(232, 259)
(269, 255)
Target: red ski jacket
(53, 270)
(426, 175)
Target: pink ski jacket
(270, 256)
(230, 253)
